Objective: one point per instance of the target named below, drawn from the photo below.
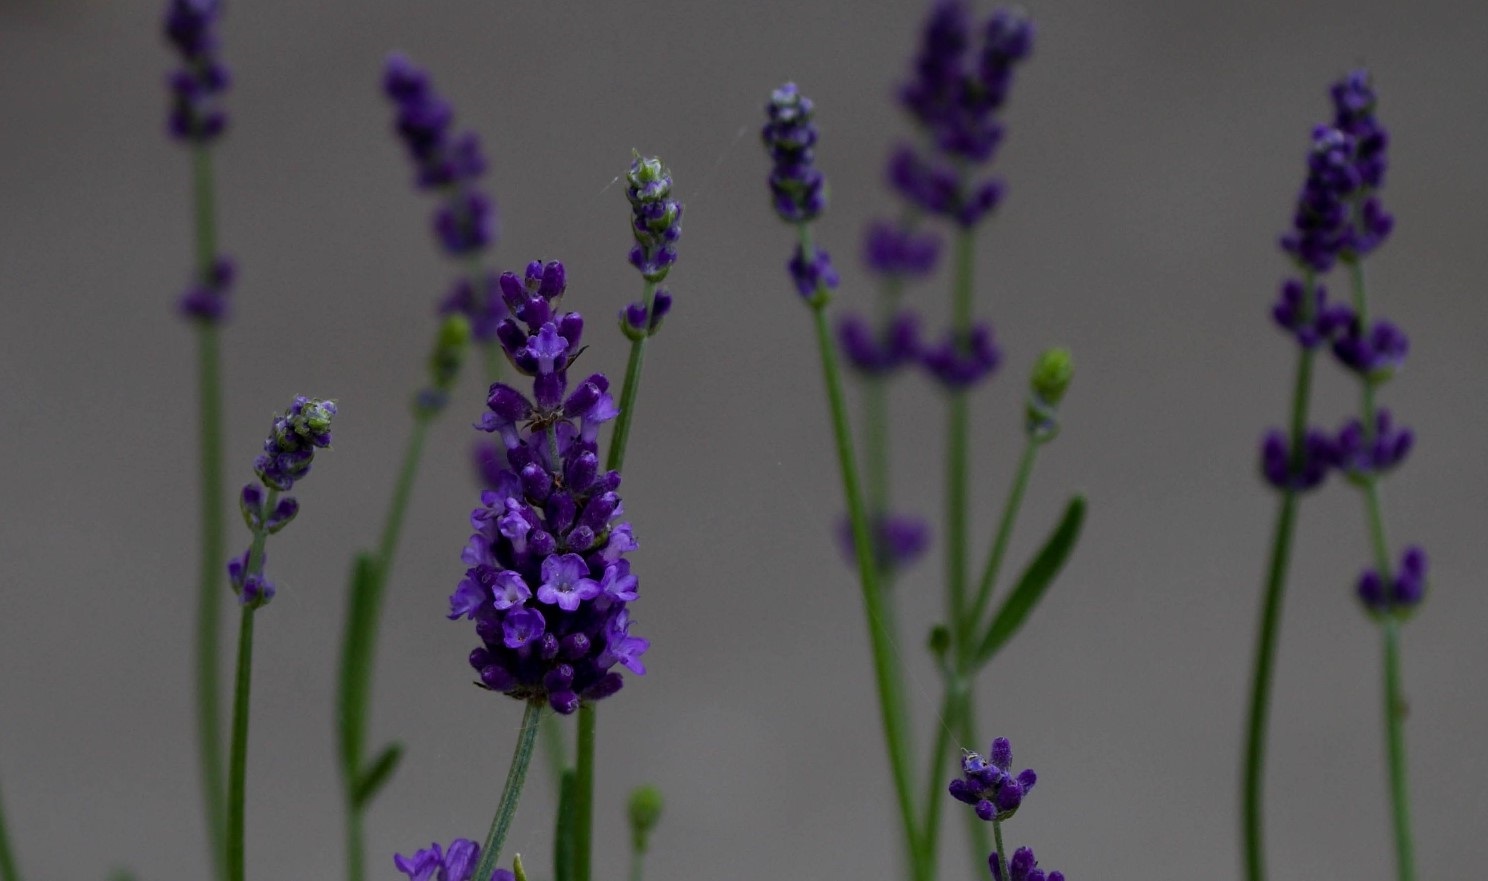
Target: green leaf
(1035, 580)
(377, 774)
(356, 649)
(563, 837)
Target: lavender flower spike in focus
(798, 188)
(549, 585)
(1022, 867)
(458, 863)
(989, 785)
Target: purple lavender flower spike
(896, 251)
(1310, 319)
(456, 864)
(207, 300)
(815, 277)
(548, 585)
(899, 540)
(1404, 591)
(656, 219)
(798, 188)
(1022, 867)
(1362, 457)
(1353, 113)
(1374, 354)
(959, 363)
(196, 86)
(451, 164)
(293, 440)
(1285, 470)
(896, 345)
(989, 786)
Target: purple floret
(989, 786)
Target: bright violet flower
(456, 864)
(989, 785)
(1022, 867)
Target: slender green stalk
(213, 525)
(876, 448)
(1395, 709)
(975, 826)
(8, 870)
(1004, 533)
(556, 750)
(1269, 629)
(1002, 860)
(511, 792)
(355, 848)
(238, 766)
(958, 430)
(637, 866)
(583, 814)
(632, 385)
(392, 527)
(935, 790)
(892, 704)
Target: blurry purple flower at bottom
(959, 363)
(1309, 318)
(1405, 590)
(894, 250)
(1374, 353)
(1385, 447)
(1282, 471)
(882, 352)
(1022, 867)
(456, 864)
(898, 541)
(207, 299)
(815, 276)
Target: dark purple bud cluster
(656, 218)
(898, 541)
(207, 300)
(1022, 867)
(896, 251)
(637, 321)
(1374, 354)
(548, 584)
(956, 94)
(195, 86)
(449, 163)
(815, 277)
(961, 361)
(1403, 593)
(1353, 114)
(989, 785)
(1309, 318)
(798, 188)
(883, 352)
(1362, 455)
(456, 864)
(1296, 471)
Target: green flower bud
(449, 351)
(1052, 374)
(645, 811)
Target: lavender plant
(451, 165)
(196, 119)
(956, 97)
(1339, 220)
(995, 793)
(289, 451)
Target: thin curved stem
(1002, 859)
(583, 809)
(631, 386)
(511, 793)
(1395, 710)
(238, 763)
(1004, 534)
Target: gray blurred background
(1153, 155)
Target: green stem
(892, 706)
(637, 865)
(1002, 860)
(1004, 533)
(556, 750)
(583, 815)
(1395, 710)
(511, 792)
(237, 774)
(958, 430)
(8, 870)
(238, 767)
(632, 385)
(935, 792)
(213, 525)
(1269, 630)
(360, 641)
(965, 267)
(876, 446)
(976, 827)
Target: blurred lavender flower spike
(899, 540)
(290, 447)
(956, 98)
(883, 353)
(191, 27)
(896, 251)
(1320, 223)
(1362, 455)
(989, 785)
(1405, 591)
(548, 584)
(1310, 319)
(466, 223)
(207, 300)
(1374, 354)
(961, 363)
(815, 278)
(1353, 108)
(656, 218)
(1284, 470)
(798, 188)
(1022, 867)
(456, 864)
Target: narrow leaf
(1035, 580)
(351, 698)
(563, 837)
(377, 774)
